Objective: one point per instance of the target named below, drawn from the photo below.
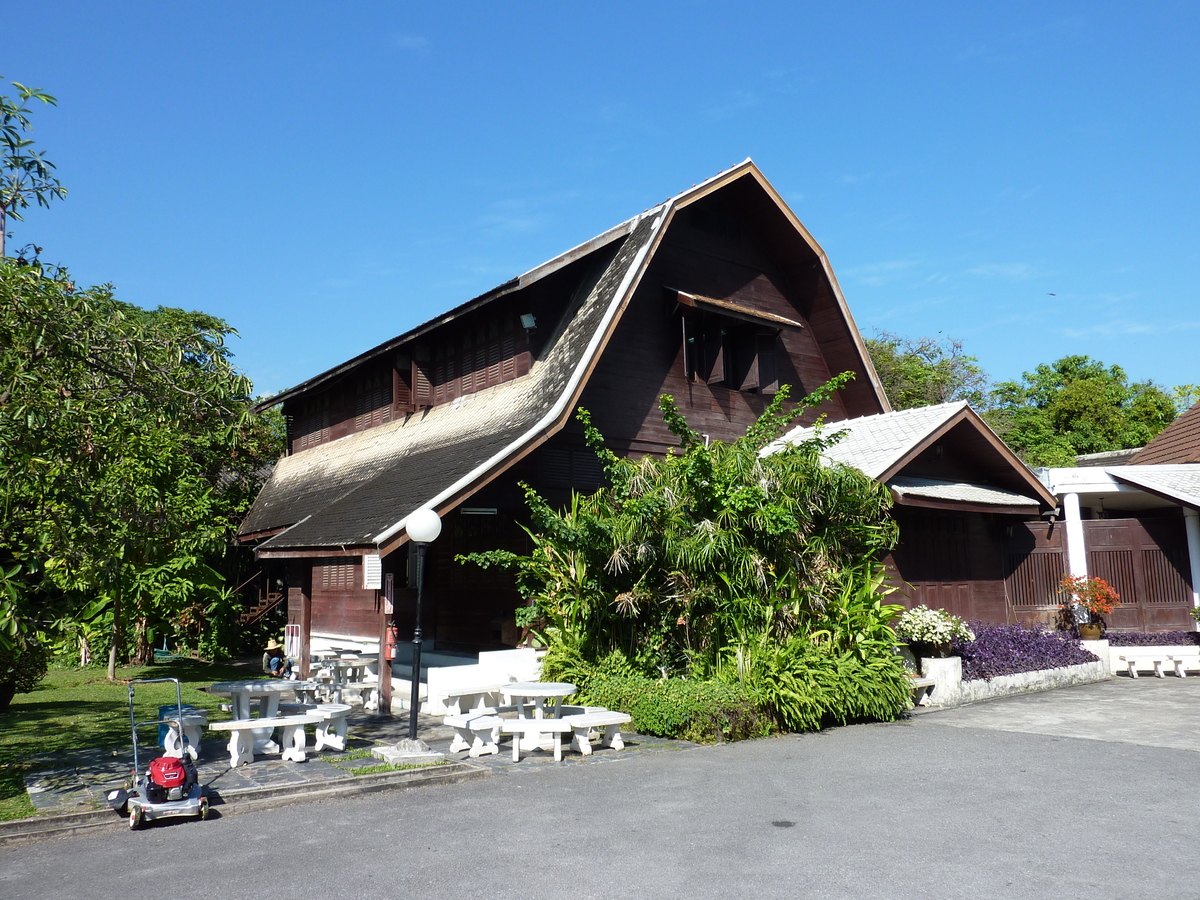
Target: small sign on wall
(372, 572)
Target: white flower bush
(923, 625)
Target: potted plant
(1087, 601)
(930, 631)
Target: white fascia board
(634, 270)
(1083, 480)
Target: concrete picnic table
(531, 737)
(267, 691)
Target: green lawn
(79, 709)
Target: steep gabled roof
(358, 490)
(355, 493)
(1178, 443)
(883, 445)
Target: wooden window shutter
(714, 352)
(422, 380)
(768, 370)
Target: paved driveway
(1153, 712)
(1064, 795)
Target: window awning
(736, 311)
(935, 493)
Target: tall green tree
(1078, 405)
(926, 371)
(129, 452)
(25, 174)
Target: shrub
(809, 687)
(922, 625)
(1010, 649)
(702, 711)
(1152, 639)
(22, 666)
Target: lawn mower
(170, 785)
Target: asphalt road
(945, 805)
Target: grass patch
(388, 767)
(79, 709)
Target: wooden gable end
(719, 321)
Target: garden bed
(952, 691)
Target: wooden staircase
(267, 601)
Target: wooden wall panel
(952, 561)
(1144, 559)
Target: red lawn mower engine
(170, 778)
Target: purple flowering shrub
(1010, 649)
(1151, 639)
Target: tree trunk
(8, 690)
(85, 651)
(116, 639)
(143, 655)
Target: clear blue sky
(1021, 176)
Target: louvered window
(724, 351)
(339, 576)
(312, 425)
(477, 357)
(373, 401)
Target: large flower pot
(1089, 632)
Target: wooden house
(959, 495)
(1136, 524)
(716, 297)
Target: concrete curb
(36, 828)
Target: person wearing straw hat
(275, 662)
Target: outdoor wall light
(528, 322)
(423, 526)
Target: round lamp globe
(423, 526)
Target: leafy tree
(25, 174)
(129, 452)
(926, 371)
(1077, 405)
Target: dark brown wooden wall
(340, 605)
(1145, 559)
(645, 356)
(952, 561)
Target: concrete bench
(331, 730)
(607, 719)
(472, 698)
(193, 722)
(292, 737)
(534, 730)
(477, 732)
(1144, 658)
(922, 689)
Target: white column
(1076, 551)
(1191, 522)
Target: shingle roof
(1180, 483)
(355, 489)
(876, 443)
(957, 491)
(1179, 442)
